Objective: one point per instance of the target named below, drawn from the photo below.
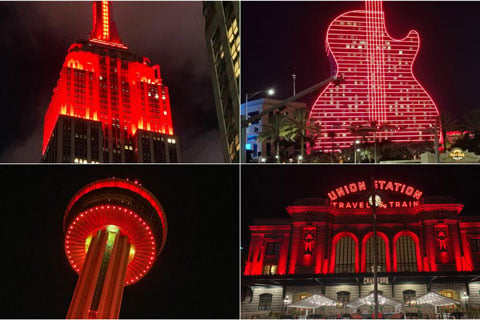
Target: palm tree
(301, 129)
(274, 131)
(472, 121)
(448, 123)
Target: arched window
(265, 302)
(370, 253)
(343, 297)
(406, 254)
(345, 256)
(408, 295)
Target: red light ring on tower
(129, 223)
(127, 185)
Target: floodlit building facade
(222, 35)
(114, 231)
(109, 104)
(326, 248)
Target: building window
(370, 253)
(406, 254)
(475, 245)
(270, 269)
(343, 297)
(265, 302)
(345, 256)
(273, 248)
(409, 295)
(452, 295)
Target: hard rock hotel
(326, 248)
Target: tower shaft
(104, 27)
(99, 289)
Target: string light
(128, 223)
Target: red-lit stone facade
(118, 101)
(327, 247)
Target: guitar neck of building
(376, 59)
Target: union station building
(326, 248)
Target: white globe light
(378, 200)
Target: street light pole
(294, 77)
(437, 156)
(375, 270)
(373, 202)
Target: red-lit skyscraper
(114, 230)
(109, 105)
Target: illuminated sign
(457, 154)
(371, 280)
(366, 205)
(384, 185)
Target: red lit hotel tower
(114, 230)
(109, 105)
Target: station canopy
(434, 299)
(370, 300)
(313, 302)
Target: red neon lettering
(340, 205)
(418, 194)
(334, 204)
(362, 186)
(340, 192)
(346, 189)
(397, 204)
(332, 195)
(409, 191)
(381, 184)
(389, 186)
(348, 206)
(404, 204)
(353, 187)
(397, 186)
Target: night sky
(268, 189)
(281, 37)
(34, 39)
(195, 276)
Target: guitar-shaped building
(380, 96)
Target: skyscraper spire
(104, 29)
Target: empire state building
(109, 105)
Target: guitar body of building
(380, 98)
